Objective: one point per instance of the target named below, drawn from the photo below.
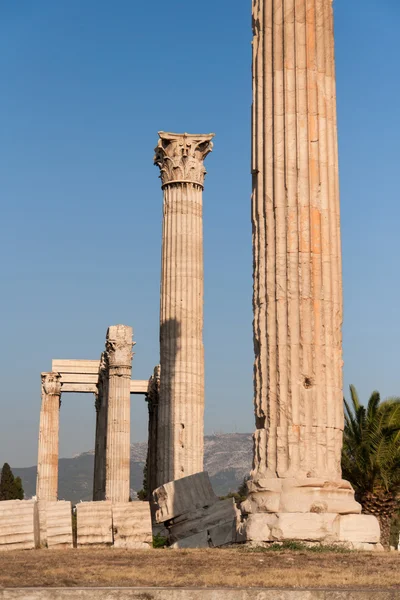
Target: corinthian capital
(51, 384)
(180, 157)
(119, 346)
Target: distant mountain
(227, 458)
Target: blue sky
(84, 88)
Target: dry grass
(208, 568)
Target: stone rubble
(193, 515)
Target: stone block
(183, 496)
(132, 525)
(310, 527)
(94, 524)
(256, 528)
(220, 513)
(222, 535)
(367, 547)
(318, 495)
(358, 529)
(199, 540)
(59, 524)
(19, 525)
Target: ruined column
(119, 361)
(181, 408)
(101, 405)
(297, 297)
(152, 398)
(47, 469)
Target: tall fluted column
(297, 297)
(99, 479)
(181, 408)
(119, 360)
(47, 469)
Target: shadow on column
(170, 344)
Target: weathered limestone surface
(218, 522)
(47, 469)
(193, 515)
(297, 295)
(132, 525)
(183, 496)
(19, 525)
(181, 408)
(55, 524)
(119, 362)
(359, 529)
(94, 523)
(314, 495)
(360, 532)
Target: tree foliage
(371, 455)
(10, 486)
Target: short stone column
(181, 408)
(119, 359)
(47, 469)
(101, 405)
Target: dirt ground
(203, 568)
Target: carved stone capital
(180, 157)
(51, 384)
(119, 344)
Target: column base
(355, 532)
(308, 495)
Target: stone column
(181, 410)
(152, 398)
(297, 297)
(47, 469)
(119, 359)
(99, 479)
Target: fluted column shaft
(47, 469)
(181, 406)
(119, 360)
(296, 240)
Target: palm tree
(371, 456)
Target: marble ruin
(296, 490)
(297, 275)
(180, 158)
(110, 381)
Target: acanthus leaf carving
(180, 157)
(51, 384)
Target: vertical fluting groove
(259, 239)
(267, 297)
(280, 240)
(181, 404)
(337, 270)
(326, 314)
(292, 237)
(296, 243)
